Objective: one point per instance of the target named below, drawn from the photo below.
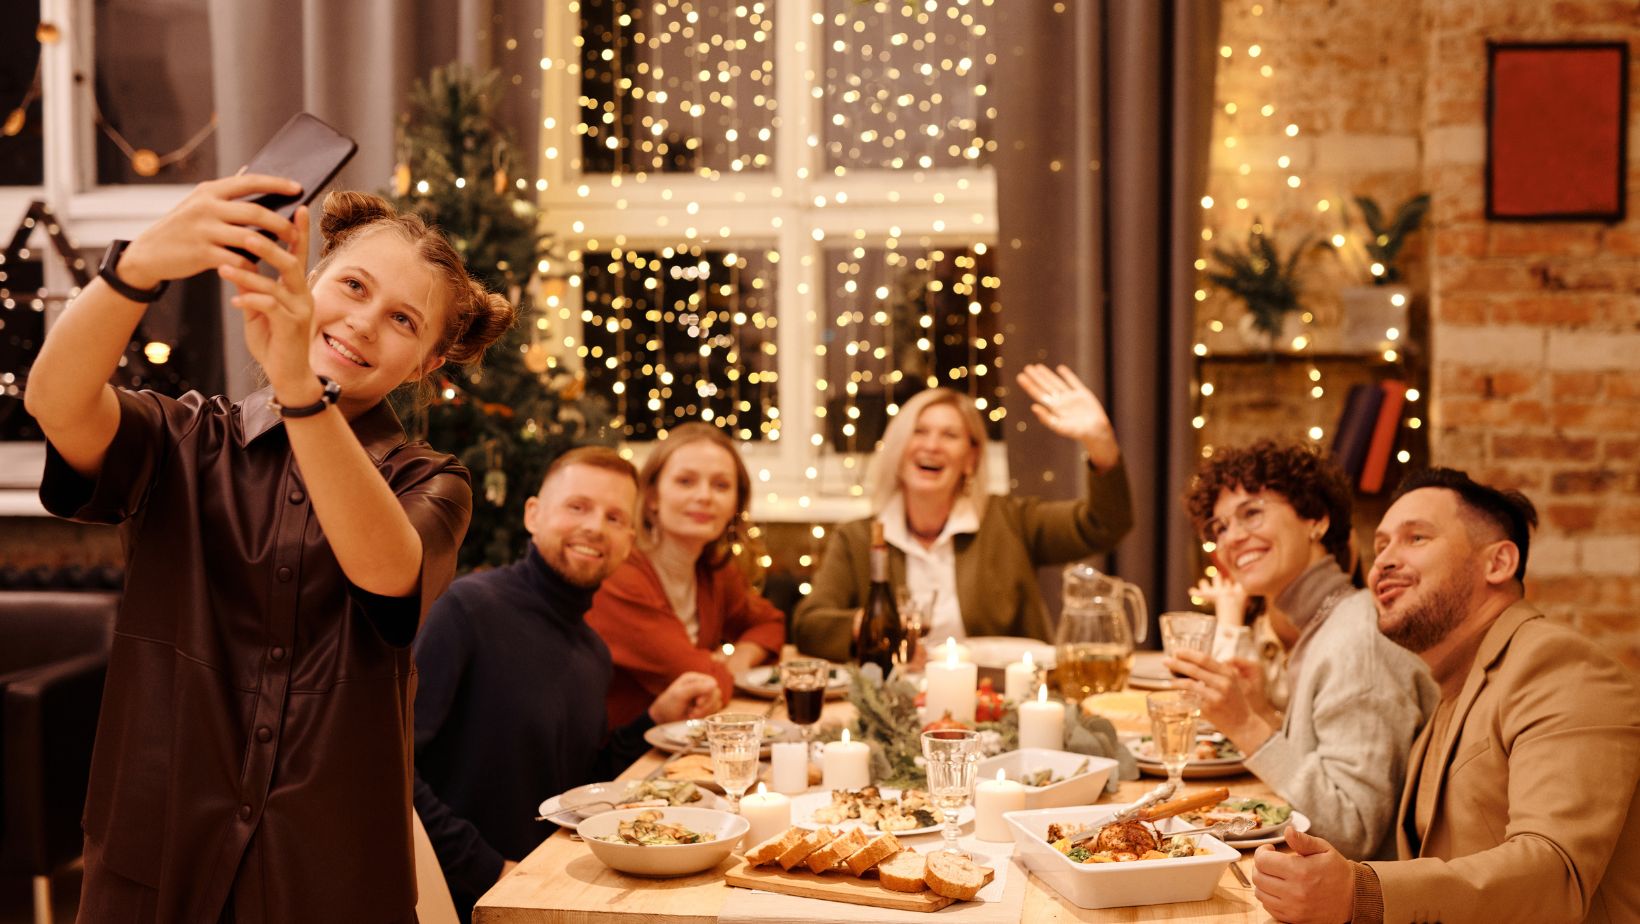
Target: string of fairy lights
(674, 87)
(1261, 141)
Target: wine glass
(1188, 631)
(917, 615)
(1173, 716)
(734, 738)
(952, 755)
(804, 683)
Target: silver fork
(1235, 827)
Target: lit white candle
(1042, 723)
(991, 799)
(846, 764)
(1019, 677)
(789, 766)
(951, 687)
(768, 812)
(944, 652)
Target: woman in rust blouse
(680, 595)
(253, 755)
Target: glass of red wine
(804, 681)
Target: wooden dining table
(563, 883)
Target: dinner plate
(805, 805)
(999, 651)
(675, 736)
(616, 791)
(1195, 770)
(1149, 673)
(1271, 834)
(761, 682)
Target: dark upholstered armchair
(53, 658)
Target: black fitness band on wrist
(331, 393)
(109, 273)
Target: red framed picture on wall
(1556, 120)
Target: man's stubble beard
(1430, 621)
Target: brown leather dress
(253, 757)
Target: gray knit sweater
(1357, 701)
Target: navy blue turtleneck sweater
(509, 710)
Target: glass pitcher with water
(1102, 620)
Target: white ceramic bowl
(724, 829)
(1083, 789)
(1114, 885)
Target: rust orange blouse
(647, 640)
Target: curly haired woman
(1279, 516)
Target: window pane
(176, 348)
(906, 86)
(153, 88)
(21, 161)
(684, 335)
(676, 86)
(902, 320)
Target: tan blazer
(1536, 818)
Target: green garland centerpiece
(887, 720)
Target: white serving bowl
(1114, 885)
(1083, 789)
(724, 829)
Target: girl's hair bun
(346, 211)
(487, 316)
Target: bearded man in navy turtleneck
(510, 703)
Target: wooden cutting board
(835, 888)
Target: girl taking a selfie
(252, 759)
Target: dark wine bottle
(882, 635)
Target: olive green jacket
(996, 566)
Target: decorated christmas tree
(509, 417)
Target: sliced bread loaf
(800, 851)
(955, 876)
(771, 849)
(903, 872)
(875, 851)
(832, 854)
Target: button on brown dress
(253, 757)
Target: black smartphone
(306, 150)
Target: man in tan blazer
(1521, 800)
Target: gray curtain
(351, 63)
(1104, 121)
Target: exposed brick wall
(1533, 330)
(1536, 328)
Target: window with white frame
(107, 114)
(776, 216)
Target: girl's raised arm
(68, 391)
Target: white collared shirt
(933, 569)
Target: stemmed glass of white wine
(952, 756)
(1173, 716)
(735, 739)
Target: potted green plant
(1266, 281)
(1375, 315)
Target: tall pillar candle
(1018, 680)
(991, 799)
(1042, 723)
(789, 766)
(951, 688)
(846, 764)
(769, 813)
